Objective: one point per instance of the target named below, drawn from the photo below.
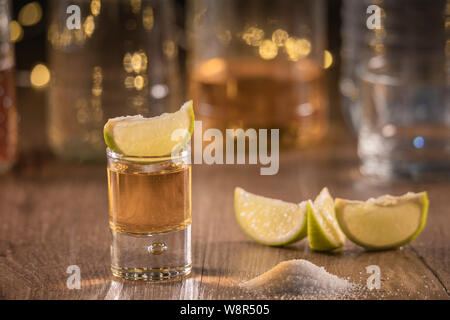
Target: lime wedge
(324, 233)
(269, 221)
(383, 223)
(157, 136)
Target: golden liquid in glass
(263, 95)
(149, 202)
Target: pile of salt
(297, 277)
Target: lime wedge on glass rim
(324, 233)
(269, 221)
(158, 136)
(383, 223)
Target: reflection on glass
(108, 68)
(257, 64)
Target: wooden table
(54, 214)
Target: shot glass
(150, 216)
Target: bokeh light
(279, 37)
(129, 82)
(297, 48)
(389, 130)
(139, 61)
(159, 91)
(419, 142)
(268, 50)
(40, 76)
(327, 59)
(30, 14)
(253, 36)
(89, 26)
(135, 6)
(96, 6)
(97, 81)
(170, 49)
(15, 31)
(148, 19)
(127, 62)
(139, 82)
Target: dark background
(31, 48)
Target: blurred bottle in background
(395, 86)
(122, 61)
(259, 64)
(8, 112)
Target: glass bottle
(121, 61)
(8, 111)
(395, 86)
(259, 64)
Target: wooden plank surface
(54, 214)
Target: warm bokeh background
(29, 32)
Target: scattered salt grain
(297, 277)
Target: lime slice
(270, 221)
(157, 136)
(383, 223)
(324, 233)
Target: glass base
(145, 274)
(152, 257)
